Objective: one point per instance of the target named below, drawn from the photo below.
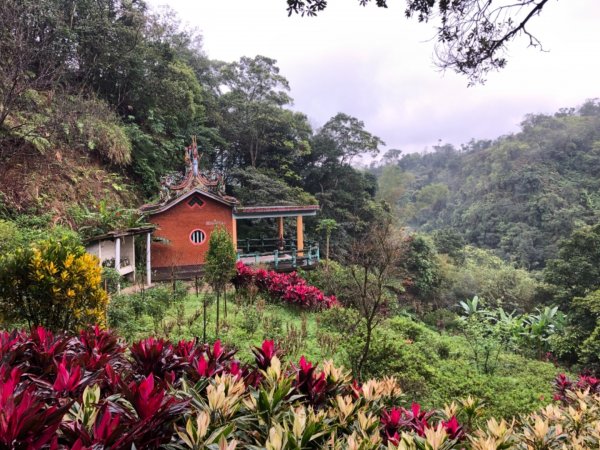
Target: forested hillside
(518, 195)
(89, 125)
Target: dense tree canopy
(134, 98)
(518, 195)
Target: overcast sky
(376, 65)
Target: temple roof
(155, 208)
(177, 187)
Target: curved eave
(159, 208)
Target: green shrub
(408, 328)
(442, 319)
(53, 283)
(110, 279)
(339, 319)
(272, 327)
(137, 303)
(390, 355)
(251, 319)
(158, 300)
(519, 385)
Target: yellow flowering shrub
(54, 283)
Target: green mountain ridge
(518, 195)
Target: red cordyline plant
(309, 383)
(287, 287)
(563, 385)
(68, 378)
(315, 387)
(207, 362)
(25, 420)
(265, 353)
(133, 399)
(157, 356)
(415, 420)
(99, 347)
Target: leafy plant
(288, 288)
(220, 266)
(88, 391)
(54, 283)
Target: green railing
(270, 244)
(283, 259)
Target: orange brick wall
(177, 223)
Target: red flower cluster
(287, 287)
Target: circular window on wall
(197, 237)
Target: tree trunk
(204, 320)
(217, 327)
(365, 353)
(225, 300)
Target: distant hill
(518, 195)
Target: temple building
(192, 207)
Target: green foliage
(110, 279)
(9, 236)
(483, 274)
(521, 382)
(576, 271)
(27, 229)
(333, 279)
(392, 184)
(540, 326)
(579, 342)
(518, 195)
(451, 243)
(260, 187)
(441, 319)
(251, 320)
(436, 368)
(348, 138)
(52, 283)
(490, 332)
(328, 226)
(486, 338)
(105, 217)
(421, 266)
(345, 194)
(158, 301)
(220, 259)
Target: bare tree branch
(473, 35)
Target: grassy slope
(434, 368)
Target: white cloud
(376, 65)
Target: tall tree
(576, 271)
(35, 43)
(345, 193)
(256, 96)
(347, 138)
